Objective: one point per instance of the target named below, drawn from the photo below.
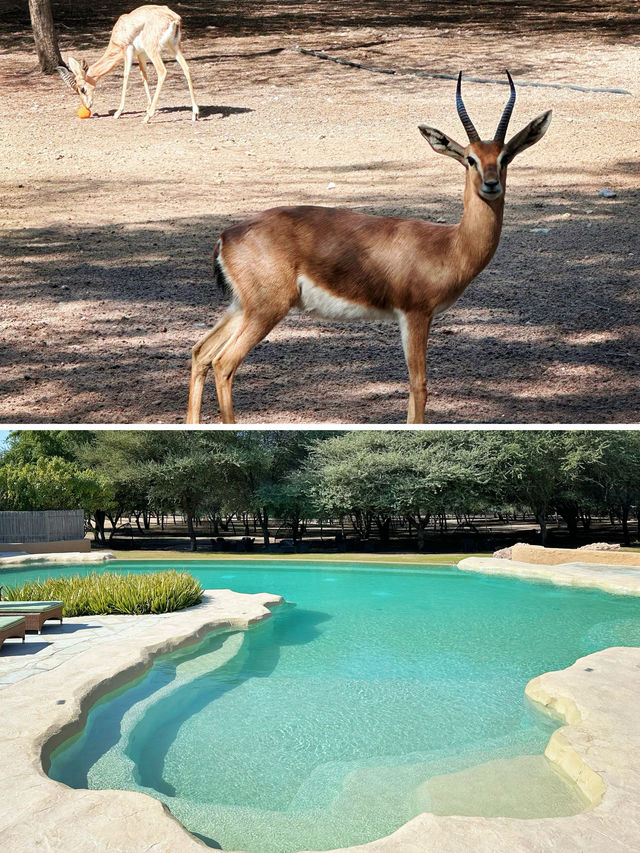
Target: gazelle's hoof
(117, 114)
(195, 115)
(147, 118)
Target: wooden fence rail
(46, 526)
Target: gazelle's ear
(528, 136)
(66, 75)
(441, 143)
(74, 65)
(85, 65)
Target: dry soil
(108, 226)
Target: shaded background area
(257, 17)
(106, 277)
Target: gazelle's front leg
(415, 328)
(161, 71)
(128, 59)
(142, 65)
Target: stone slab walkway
(61, 643)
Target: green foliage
(93, 594)
(50, 484)
(369, 477)
(30, 445)
(404, 473)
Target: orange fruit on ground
(83, 112)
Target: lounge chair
(35, 613)
(11, 626)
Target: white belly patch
(320, 302)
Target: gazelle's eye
(471, 161)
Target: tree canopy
(369, 478)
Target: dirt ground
(108, 227)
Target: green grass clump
(93, 594)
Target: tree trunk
(192, 533)
(295, 528)
(626, 539)
(44, 35)
(100, 516)
(383, 525)
(263, 519)
(569, 514)
(114, 519)
(541, 518)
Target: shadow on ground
(548, 333)
(264, 17)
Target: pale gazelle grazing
(143, 34)
(344, 265)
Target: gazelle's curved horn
(501, 132)
(67, 75)
(472, 133)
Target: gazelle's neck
(478, 232)
(109, 59)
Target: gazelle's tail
(219, 278)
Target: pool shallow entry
(377, 696)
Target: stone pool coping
(19, 560)
(40, 712)
(598, 747)
(623, 580)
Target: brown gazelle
(143, 34)
(344, 265)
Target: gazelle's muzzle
(491, 188)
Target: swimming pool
(344, 715)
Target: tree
(44, 35)
(350, 479)
(119, 456)
(257, 465)
(50, 484)
(373, 476)
(186, 469)
(29, 445)
(538, 469)
(618, 474)
(438, 473)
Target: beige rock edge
(553, 556)
(603, 576)
(63, 557)
(39, 713)
(597, 697)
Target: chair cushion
(10, 621)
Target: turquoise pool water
(330, 724)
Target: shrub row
(93, 594)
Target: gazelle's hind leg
(203, 354)
(252, 330)
(195, 110)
